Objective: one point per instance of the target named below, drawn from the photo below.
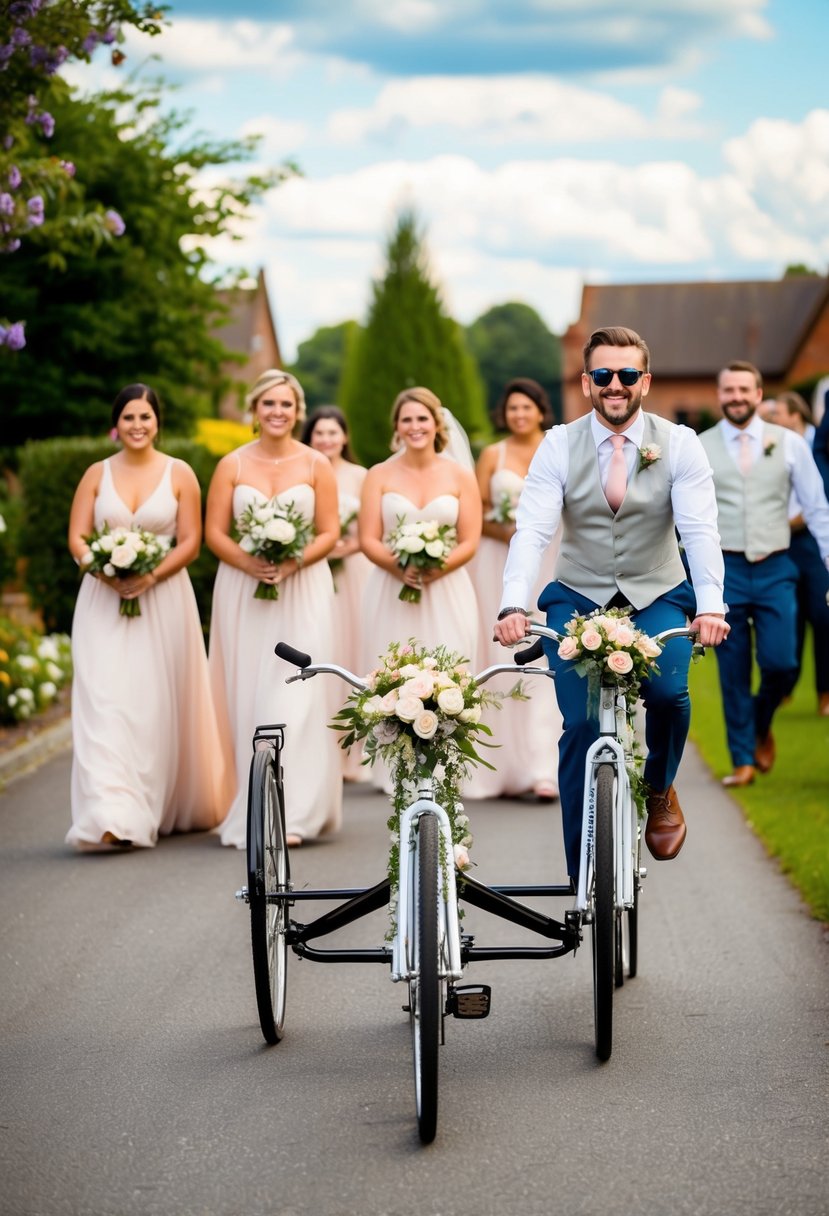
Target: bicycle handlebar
(543, 631)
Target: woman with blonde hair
(275, 471)
(416, 485)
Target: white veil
(458, 448)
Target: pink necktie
(617, 474)
(745, 453)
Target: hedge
(50, 470)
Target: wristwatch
(508, 612)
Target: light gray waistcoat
(634, 551)
(753, 509)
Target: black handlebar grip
(536, 651)
(286, 652)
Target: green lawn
(789, 807)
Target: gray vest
(752, 510)
(634, 551)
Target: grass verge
(788, 808)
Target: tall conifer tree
(408, 339)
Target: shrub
(49, 472)
(33, 669)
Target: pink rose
(591, 639)
(461, 857)
(568, 649)
(624, 635)
(425, 724)
(421, 686)
(620, 662)
(648, 647)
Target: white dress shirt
(807, 483)
(692, 498)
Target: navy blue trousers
(666, 699)
(762, 613)
(812, 606)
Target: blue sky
(544, 143)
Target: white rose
(123, 556)
(408, 708)
(105, 544)
(425, 724)
(411, 544)
(435, 548)
(450, 700)
(109, 570)
(409, 670)
(471, 715)
(421, 686)
(280, 530)
(429, 529)
(461, 857)
(248, 544)
(374, 705)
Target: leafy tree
(409, 339)
(319, 362)
(512, 340)
(36, 38)
(140, 308)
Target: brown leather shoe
(743, 775)
(823, 704)
(665, 830)
(764, 753)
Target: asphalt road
(135, 1080)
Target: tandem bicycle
(429, 950)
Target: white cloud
(509, 110)
(203, 46)
(279, 137)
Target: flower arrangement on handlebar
(421, 713)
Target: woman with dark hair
(527, 760)
(148, 758)
(276, 473)
(326, 431)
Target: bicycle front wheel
(603, 927)
(268, 877)
(425, 985)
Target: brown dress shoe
(665, 830)
(743, 775)
(823, 704)
(764, 753)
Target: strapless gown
(527, 731)
(446, 615)
(249, 686)
(349, 582)
(148, 758)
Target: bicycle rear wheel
(603, 926)
(268, 876)
(425, 986)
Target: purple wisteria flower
(68, 167)
(14, 337)
(47, 123)
(6, 204)
(20, 37)
(35, 209)
(91, 41)
(114, 224)
(12, 246)
(14, 177)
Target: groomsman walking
(756, 467)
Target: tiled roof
(694, 329)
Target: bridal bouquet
(421, 713)
(424, 544)
(275, 531)
(123, 553)
(503, 509)
(348, 514)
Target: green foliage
(50, 471)
(320, 360)
(408, 340)
(33, 669)
(512, 340)
(787, 808)
(136, 308)
(9, 532)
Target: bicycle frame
(448, 902)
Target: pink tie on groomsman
(745, 461)
(617, 474)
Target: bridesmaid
(148, 757)
(326, 431)
(527, 731)
(248, 681)
(419, 484)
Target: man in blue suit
(756, 467)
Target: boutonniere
(769, 446)
(649, 455)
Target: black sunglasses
(603, 376)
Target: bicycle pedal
(470, 1002)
